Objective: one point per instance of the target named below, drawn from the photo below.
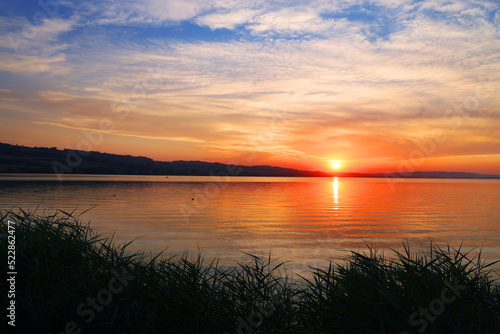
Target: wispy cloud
(34, 48)
(357, 79)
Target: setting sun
(336, 165)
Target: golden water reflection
(336, 192)
(299, 220)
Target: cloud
(355, 80)
(290, 20)
(228, 20)
(147, 12)
(52, 65)
(29, 48)
(23, 35)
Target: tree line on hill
(22, 159)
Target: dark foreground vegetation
(71, 280)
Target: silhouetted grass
(69, 278)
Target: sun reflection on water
(336, 192)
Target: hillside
(22, 159)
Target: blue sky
(360, 82)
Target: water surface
(305, 221)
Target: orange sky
(377, 87)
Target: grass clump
(442, 291)
(70, 279)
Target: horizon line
(387, 174)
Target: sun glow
(336, 165)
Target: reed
(72, 280)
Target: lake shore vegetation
(70, 279)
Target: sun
(335, 165)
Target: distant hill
(449, 175)
(22, 159)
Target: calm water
(305, 221)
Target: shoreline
(220, 178)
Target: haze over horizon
(374, 86)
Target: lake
(304, 221)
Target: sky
(375, 86)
